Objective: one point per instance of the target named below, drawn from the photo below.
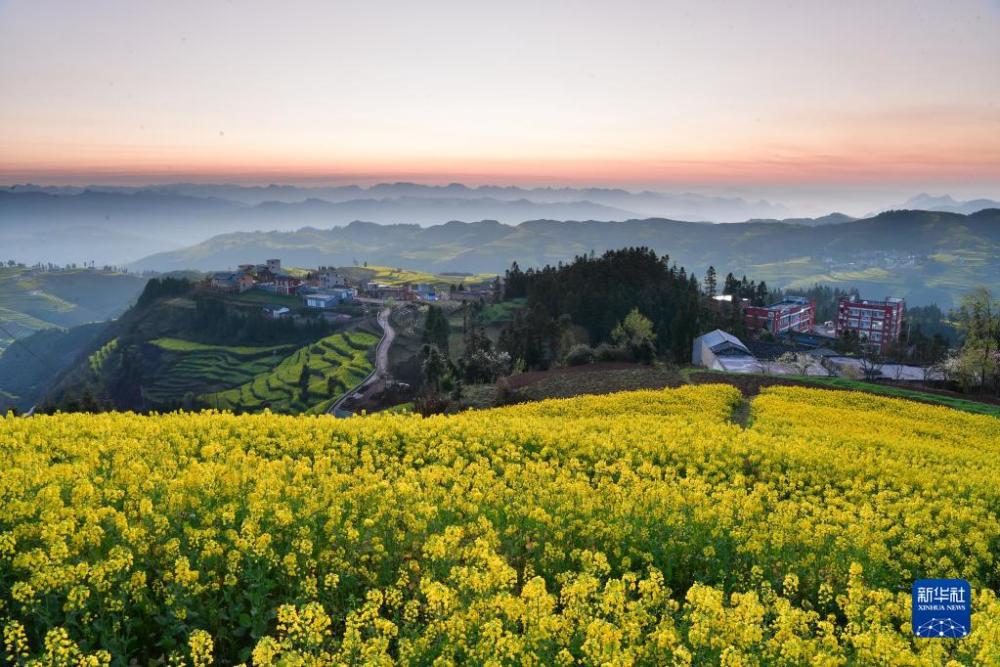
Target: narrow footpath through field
(741, 412)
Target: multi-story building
(237, 282)
(326, 277)
(878, 322)
(286, 284)
(794, 313)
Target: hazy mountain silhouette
(948, 203)
(924, 255)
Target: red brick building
(792, 314)
(879, 322)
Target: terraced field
(188, 367)
(98, 359)
(399, 276)
(33, 300)
(336, 362)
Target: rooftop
(788, 303)
(719, 340)
(888, 301)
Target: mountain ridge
(932, 255)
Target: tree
(848, 342)
(797, 361)
(636, 334)
(480, 363)
(872, 360)
(711, 282)
(304, 376)
(979, 320)
(436, 328)
(534, 338)
(597, 293)
(433, 365)
(929, 352)
(761, 294)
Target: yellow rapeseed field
(642, 528)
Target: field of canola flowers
(639, 528)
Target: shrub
(505, 393)
(579, 355)
(606, 352)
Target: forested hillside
(926, 257)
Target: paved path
(381, 365)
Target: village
(328, 289)
(785, 339)
(782, 338)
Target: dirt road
(381, 365)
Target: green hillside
(924, 256)
(97, 359)
(183, 367)
(32, 300)
(339, 362)
(400, 276)
(30, 365)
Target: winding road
(381, 365)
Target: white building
(722, 351)
(331, 298)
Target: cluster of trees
(931, 321)
(756, 293)
(159, 288)
(976, 365)
(480, 361)
(596, 295)
(215, 321)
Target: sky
(761, 95)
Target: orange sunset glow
(643, 94)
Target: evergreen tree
(433, 365)
(711, 282)
(436, 329)
(595, 294)
(304, 376)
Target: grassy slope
(191, 367)
(608, 378)
(29, 366)
(941, 277)
(957, 403)
(178, 345)
(398, 276)
(98, 358)
(31, 301)
(266, 298)
(900, 392)
(343, 357)
(493, 319)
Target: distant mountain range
(949, 204)
(831, 219)
(115, 224)
(681, 206)
(111, 224)
(925, 256)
